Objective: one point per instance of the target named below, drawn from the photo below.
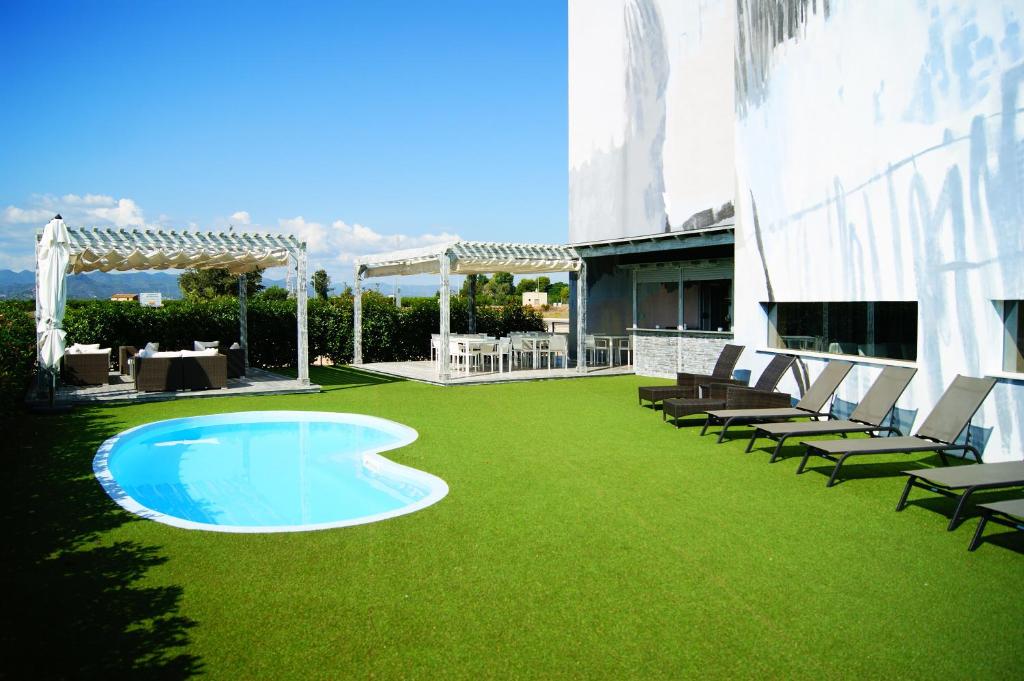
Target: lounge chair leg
(906, 493)
(750, 443)
(725, 427)
(955, 520)
(976, 539)
(942, 458)
(707, 422)
(835, 471)
(803, 462)
(778, 448)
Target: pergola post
(300, 310)
(357, 317)
(581, 318)
(243, 318)
(443, 356)
(472, 303)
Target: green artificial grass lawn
(612, 546)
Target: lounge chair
(729, 395)
(1009, 513)
(810, 406)
(868, 417)
(967, 478)
(687, 384)
(938, 433)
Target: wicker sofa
(86, 368)
(175, 371)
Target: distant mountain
(102, 285)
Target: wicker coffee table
(679, 407)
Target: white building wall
(879, 156)
(650, 114)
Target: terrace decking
(425, 371)
(120, 389)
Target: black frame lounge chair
(967, 478)
(938, 433)
(868, 417)
(727, 395)
(1009, 513)
(809, 406)
(687, 384)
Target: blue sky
(359, 125)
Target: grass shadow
(75, 606)
(341, 377)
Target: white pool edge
(438, 487)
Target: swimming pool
(265, 471)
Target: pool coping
(438, 487)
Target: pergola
(470, 257)
(110, 249)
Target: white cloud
(24, 216)
(88, 200)
(126, 213)
(240, 217)
(341, 242)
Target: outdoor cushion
(203, 345)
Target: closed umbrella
(54, 253)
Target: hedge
(389, 333)
(17, 353)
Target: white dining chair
(487, 351)
(557, 345)
(594, 349)
(504, 350)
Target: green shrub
(389, 333)
(17, 353)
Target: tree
(526, 285)
(558, 292)
(543, 284)
(213, 283)
(274, 293)
(481, 282)
(321, 284)
(500, 288)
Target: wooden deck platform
(120, 389)
(426, 372)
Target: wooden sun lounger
(727, 395)
(938, 433)
(868, 417)
(687, 384)
(810, 406)
(967, 478)
(1009, 513)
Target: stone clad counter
(663, 352)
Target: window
(657, 304)
(1013, 338)
(869, 329)
(691, 294)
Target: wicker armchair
(86, 368)
(125, 353)
(236, 361)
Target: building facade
(874, 154)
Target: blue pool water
(274, 471)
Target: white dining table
(610, 341)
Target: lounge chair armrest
(686, 379)
(748, 398)
(717, 390)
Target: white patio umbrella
(52, 262)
